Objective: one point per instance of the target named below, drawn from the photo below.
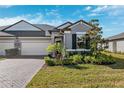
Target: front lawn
(1, 58)
(82, 75)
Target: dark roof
(3, 27)
(118, 36)
(3, 34)
(44, 27)
(69, 23)
(19, 22)
(83, 22)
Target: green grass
(1, 58)
(81, 76)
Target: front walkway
(18, 72)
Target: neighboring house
(116, 43)
(33, 39)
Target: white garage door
(35, 47)
(5, 45)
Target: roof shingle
(118, 36)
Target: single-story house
(116, 43)
(33, 39)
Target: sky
(111, 18)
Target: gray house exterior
(116, 43)
(33, 39)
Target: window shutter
(87, 42)
(73, 41)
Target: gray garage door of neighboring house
(34, 47)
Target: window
(82, 41)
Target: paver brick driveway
(18, 72)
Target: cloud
(111, 10)
(93, 14)
(53, 12)
(36, 19)
(5, 6)
(88, 8)
(100, 8)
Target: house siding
(110, 46)
(120, 46)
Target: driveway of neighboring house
(18, 72)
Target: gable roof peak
(81, 20)
(20, 22)
(68, 22)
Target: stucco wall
(110, 46)
(120, 46)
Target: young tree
(57, 49)
(95, 37)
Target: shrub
(67, 61)
(104, 60)
(87, 59)
(110, 59)
(50, 61)
(58, 62)
(101, 59)
(76, 59)
(51, 48)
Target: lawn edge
(29, 80)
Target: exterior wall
(53, 36)
(23, 26)
(6, 44)
(120, 46)
(110, 46)
(47, 33)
